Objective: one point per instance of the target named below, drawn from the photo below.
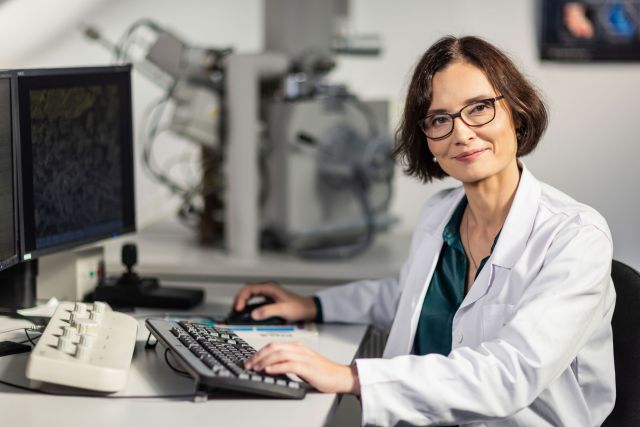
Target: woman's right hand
(287, 304)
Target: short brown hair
(527, 108)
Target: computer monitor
(8, 234)
(76, 157)
(75, 176)
(17, 281)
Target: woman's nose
(462, 133)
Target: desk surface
(170, 251)
(150, 376)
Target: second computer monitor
(76, 157)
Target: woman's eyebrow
(466, 102)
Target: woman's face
(471, 154)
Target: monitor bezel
(122, 73)
(15, 258)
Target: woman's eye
(480, 107)
(438, 120)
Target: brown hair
(527, 108)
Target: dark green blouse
(446, 291)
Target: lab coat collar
(517, 226)
(513, 237)
(444, 213)
(519, 222)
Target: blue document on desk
(294, 330)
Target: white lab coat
(532, 343)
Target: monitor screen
(590, 30)
(76, 149)
(8, 245)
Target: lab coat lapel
(418, 279)
(480, 286)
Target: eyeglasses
(440, 125)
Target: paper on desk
(42, 310)
(296, 330)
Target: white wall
(591, 147)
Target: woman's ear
(517, 122)
(518, 126)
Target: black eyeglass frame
(459, 114)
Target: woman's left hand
(295, 358)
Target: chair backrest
(626, 346)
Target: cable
(26, 332)
(35, 328)
(173, 368)
(150, 131)
(152, 120)
(12, 330)
(368, 114)
(99, 396)
(353, 162)
(34, 390)
(359, 187)
(378, 161)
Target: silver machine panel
(306, 206)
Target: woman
(502, 312)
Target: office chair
(626, 346)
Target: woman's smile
(470, 155)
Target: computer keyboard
(86, 346)
(215, 357)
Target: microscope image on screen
(76, 153)
(590, 30)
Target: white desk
(170, 251)
(151, 376)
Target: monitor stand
(131, 290)
(18, 287)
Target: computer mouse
(243, 317)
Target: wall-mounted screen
(590, 30)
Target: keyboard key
(209, 361)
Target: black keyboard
(215, 357)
